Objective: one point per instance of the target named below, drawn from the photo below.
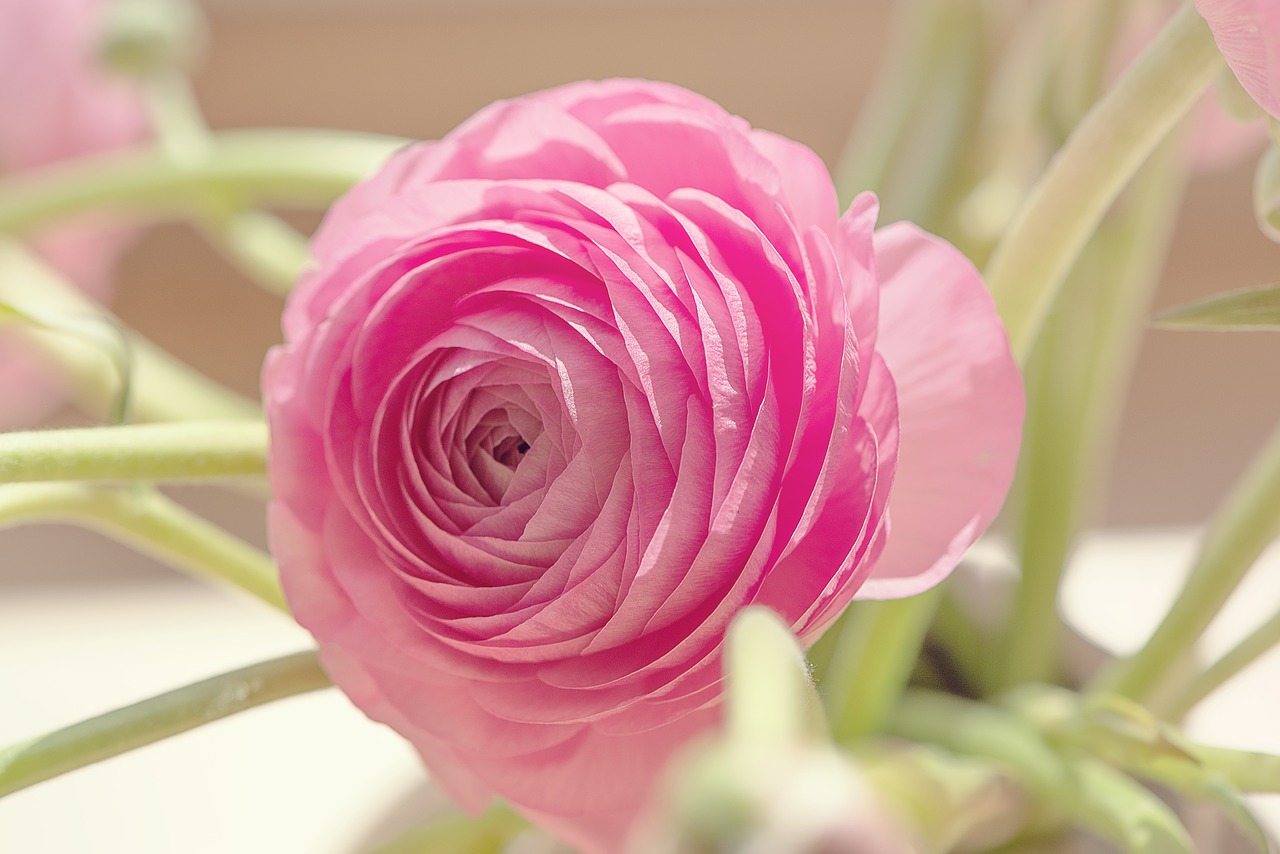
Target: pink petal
(960, 409)
(1248, 34)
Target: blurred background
(1200, 404)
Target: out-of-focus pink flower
(569, 388)
(57, 102)
(1248, 34)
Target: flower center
(510, 451)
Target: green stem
(257, 166)
(265, 248)
(1074, 401)
(875, 650)
(1247, 771)
(1099, 158)
(160, 717)
(1258, 643)
(1243, 527)
(147, 521)
(1081, 791)
(977, 729)
(909, 136)
(161, 387)
(180, 451)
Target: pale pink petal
(1248, 34)
(960, 408)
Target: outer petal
(960, 409)
(1248, 34)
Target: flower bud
(763, 800)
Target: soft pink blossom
(57, 102)
(572, 386)
(1248, 34)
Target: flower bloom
(567, 389)
(57, 103)
(1248, 34)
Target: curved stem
(265, 248)
(180, 451)
(1099, 158)
(161, 387)
(873, 656)
(1244, 526)
(149, 721)
(147, 521)
(257, 166)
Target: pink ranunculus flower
(1248, 34)
(572, 386)
(57, 102)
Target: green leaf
(1120, 809)
(1250, 308)
(97, 331)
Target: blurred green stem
(1077, 790)
(1097, 161)
(261, 244)
(151, 523)
(908, 136)
(875, 647)
(1076, 379)
(178, 451)
(160, 717)
(1255, 645)
(161, 387)
(285, 167)
(1242, 528)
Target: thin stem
(147, 521)
(1099, 158)
(160, 717)
(265, 247)
(1258, 643)
(875, 650)
(180, 451)
(1074, 401)
(162, 388)
(258, 166)
(1243, 527)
